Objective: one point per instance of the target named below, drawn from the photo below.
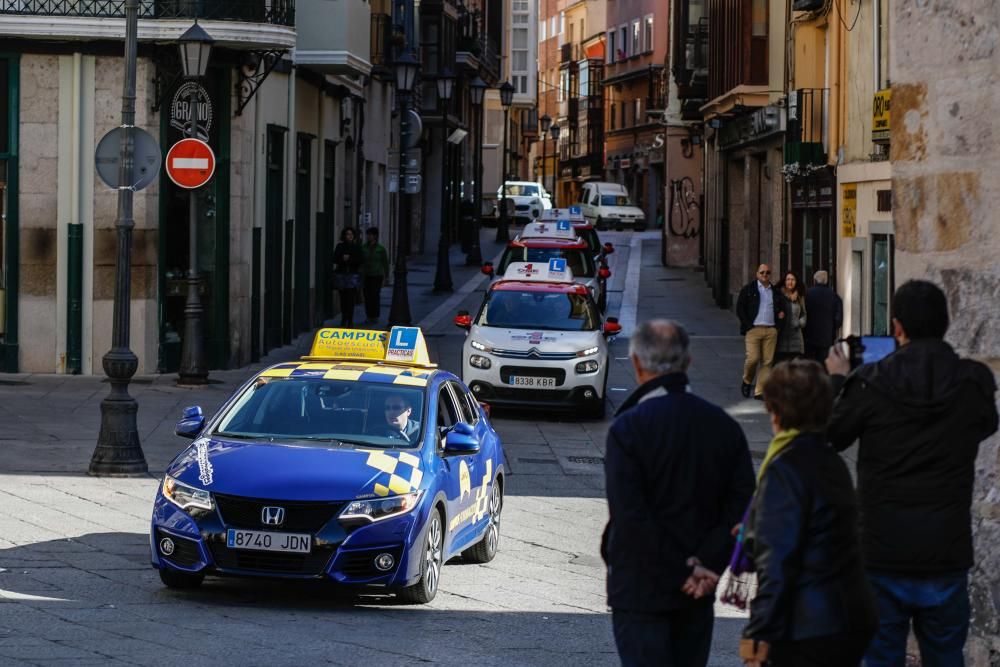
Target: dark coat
(748, 305)
(354, 257)
(826, 315)
(679, 477)
(802, 535)
(920, 414)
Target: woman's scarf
(778, 445)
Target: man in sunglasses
(761, 309)
(398, 425)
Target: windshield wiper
(238, 436)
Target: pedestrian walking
(374, 273)
(679, 477)
(826, 314)
(790, 342)
(346, 276)
(920, 414)
(761, 310)
(813, 606)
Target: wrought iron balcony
(274, 12)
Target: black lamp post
(195, 47)
(543, 124)
(506, 99)
(477, 90)
(554, 131)
(442, 278)
(118, 451)
(406, 68)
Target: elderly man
(826, 314)
(761, 309)
(679, 478)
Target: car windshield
(522, 190)
(615, 200)
(316, 409)
(579, 261)
(539, 310)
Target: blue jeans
(939, 609)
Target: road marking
(190, 162)
(446, 309)
(630, 296)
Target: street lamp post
(195, 47)
(118, 451)
(506, 98)
(406, 68)
(554, 131)
(477, 90)
(442, 278)
(543, 124)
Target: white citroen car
(538, 340)
(530, 199)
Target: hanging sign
(849, 209)
(190, 163)
(181, 109)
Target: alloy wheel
(493, 529)
(434, 554)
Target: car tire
(431, 562)
(486, 549)
(599, 224)
(640, 227)
(180, 580)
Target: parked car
(608, 205)
(530, 199)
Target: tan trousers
(761, 342)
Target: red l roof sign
(190, 163)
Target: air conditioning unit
(807, 5)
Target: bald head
(659, 347)
(821, 277)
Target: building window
(520, 6)
(541, 30)
(611, 47)
(623, 43)
(647, 36)
(635, 47)
(554, 26)
(621, 110)
(611, 115)
(562, 22)
(759, 19)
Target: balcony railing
(805, 133)
(277, 12)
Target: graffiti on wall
(685, 209)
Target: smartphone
(868, 349)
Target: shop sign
(625, 163)
(760, 124)
(813, 191)
(849, 211)
(181, 109)
(881, 106)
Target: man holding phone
(920, 414)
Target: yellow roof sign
(400, 345)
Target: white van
(608, 205)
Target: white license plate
(532, 381)
(259, 540)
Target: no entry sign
(190, 163)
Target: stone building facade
(946, 157)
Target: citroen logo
(272, 516)
(533, 352)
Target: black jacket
(920, 413)
(826, 315)
(354, 257)
(748, 305)
(679, 477)
(803, 538)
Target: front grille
(301, 517)
(185, 551)
(263, 562)
(361, 564)
(521, 207)
(507, 371)
(534, 354)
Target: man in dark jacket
(761, 309)
(920, 414)
(826, 315)
(679, 477)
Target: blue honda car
(361, 464)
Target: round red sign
(190, 163)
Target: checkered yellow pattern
(402, 469)
(352, 372)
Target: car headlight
(377, 509)
(476, 345)
(480, 361)
(185, 496)
(589, 366)
(589, 351)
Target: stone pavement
(75, 582)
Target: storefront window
(882, 283)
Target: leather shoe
(759, 397)
(746, 390)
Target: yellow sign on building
(881, 106)
(849, 211)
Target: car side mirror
(456, 443)
(463, 319)
(463, 429)
(191, 423)
(611, 327)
